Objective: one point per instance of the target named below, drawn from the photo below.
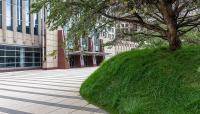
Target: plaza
(45, 92)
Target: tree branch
(141, 23)
(142, 33)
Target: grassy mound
(150, 81)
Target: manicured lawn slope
(150, 81)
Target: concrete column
(82, 60)
(14, 10)
(24, 20)
(94, 45)
(32, 26)
(94, 60)
(39, 27)
(4, 28)
(44, 37)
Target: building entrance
(88, 61)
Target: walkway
(44, 92)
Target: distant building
(123, 43)
(86, 51)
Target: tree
(166, 19)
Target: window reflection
(36, 24)
(9, 15)
(19, 15)
(28, 24)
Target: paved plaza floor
(44, 92)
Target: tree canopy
(168, 19)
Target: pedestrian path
(45, 92)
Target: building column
(82, 61)
(14, 10)
(94, 44)
(62, 63)
(90, 45)
(44, 39)
(4, 28)
(39, 28)
(23, 21)
(94, 60)
(32, 26)
(22, 57)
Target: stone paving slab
(45, 92)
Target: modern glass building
(27, 43)
(20, 36)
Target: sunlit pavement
(44, 92)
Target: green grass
(149, 81)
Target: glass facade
(36, 24)
(19, 15)
(20, 57)
(0, 13)
(9, 15)
(28, 17)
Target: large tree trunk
(173, 39)
(174, 43)
(172, 36)
(170, 18)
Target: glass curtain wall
(19, 57)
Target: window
(122, 25)
(10, 47)
(2, 47)
(9, 15)
(2, 60)
(113, 36)
(10, 60)
(109, 35)
(19, 15)
(2, 52)
(70, 44)
(10, 53)
(97, 45)
(36, 24)
(0, 13)
(104, 34)
(85, 44)
(28, 17)
(112, 30)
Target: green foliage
(162, 17)
(192, 38)
(53, 54)
(80, 16)
(149, 81)
(152, 42)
